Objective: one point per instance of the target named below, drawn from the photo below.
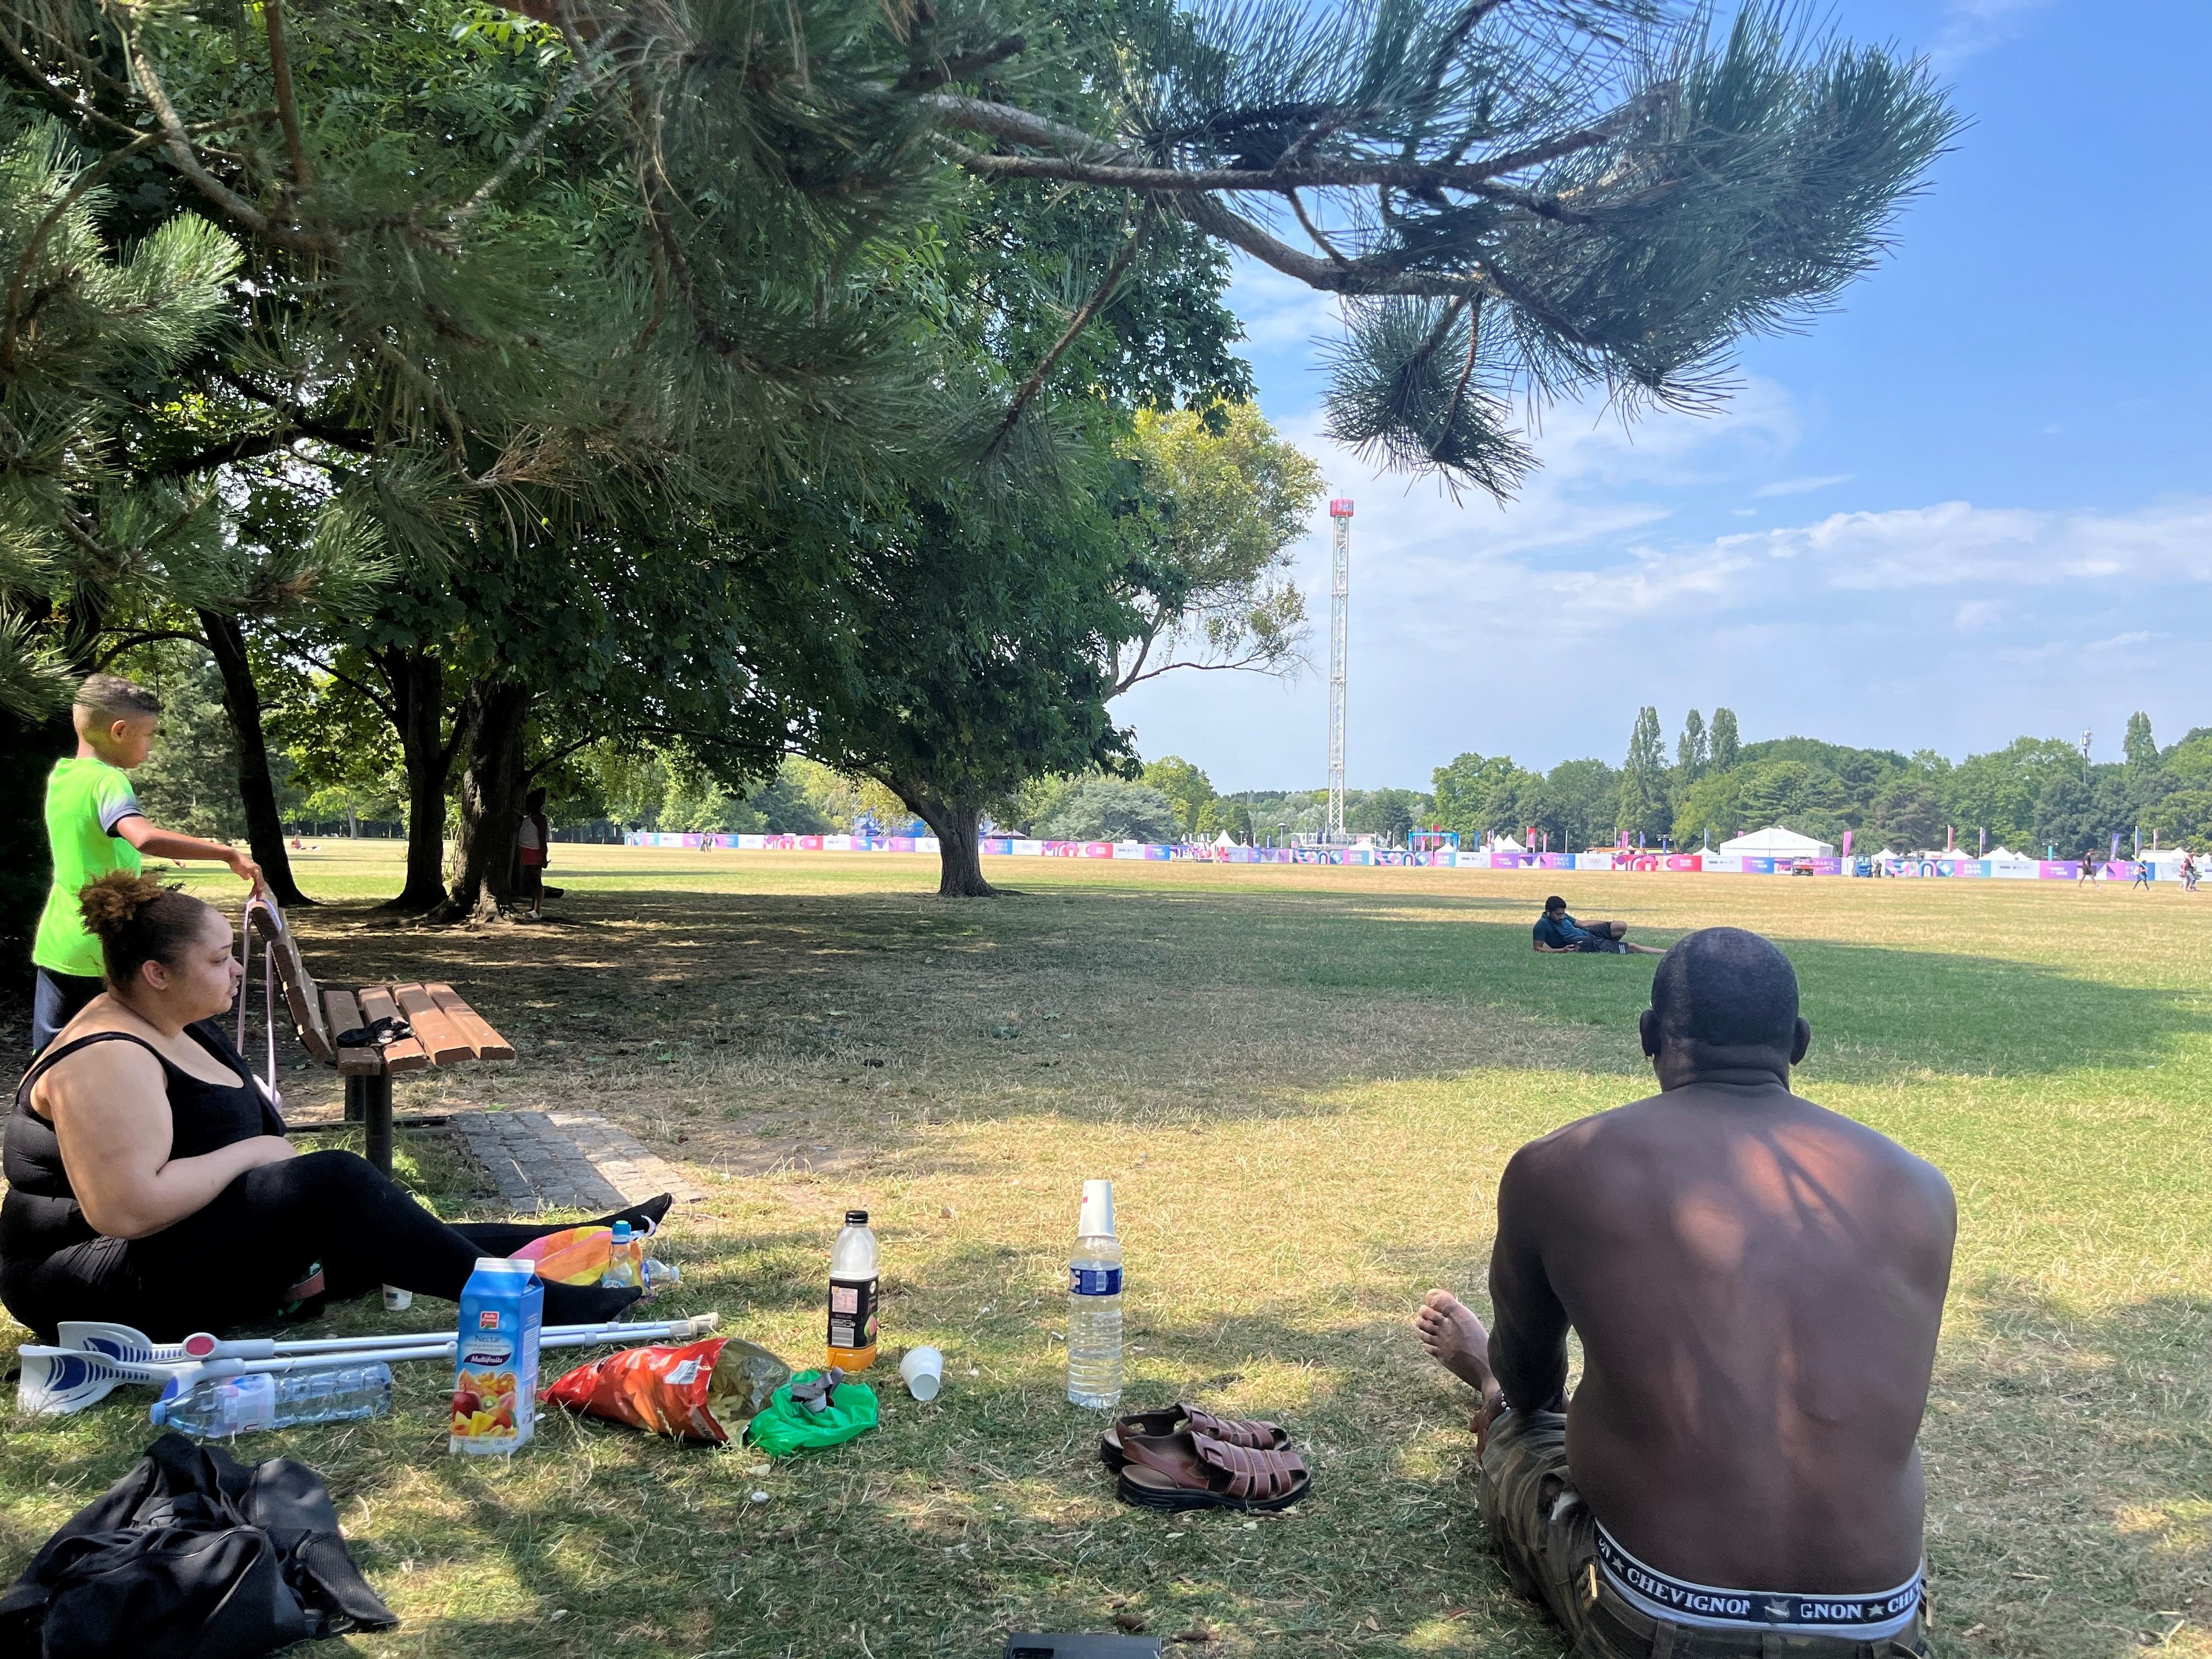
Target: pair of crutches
(94, 1358)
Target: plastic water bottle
(217, 1407)
(622, 1254)
(1094, 1304)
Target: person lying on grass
(1758, 1284)
(150, 1182)
(1558, 934)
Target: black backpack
(192, 1556)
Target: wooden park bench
(446, 1030)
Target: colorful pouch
(577, 1256)
(700, 1391)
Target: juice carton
(496, 1360)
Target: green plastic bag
(784, 1426)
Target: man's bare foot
(1455, 1339)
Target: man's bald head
(1722, 988)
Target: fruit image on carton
(494, 1406)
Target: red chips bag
(705, 1390)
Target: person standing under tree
(94, 827)
(534, 841)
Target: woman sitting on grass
(148, 1179)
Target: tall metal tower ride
(1340, 606)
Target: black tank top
(40, 1215)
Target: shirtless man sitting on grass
(1758, 1284)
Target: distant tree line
(2034, 794)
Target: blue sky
(1972, 503)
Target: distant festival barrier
(1442, 859)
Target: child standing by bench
(94, 827)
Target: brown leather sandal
(1172, 1419)
(1197, 1472)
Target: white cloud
(1801, 486)
(1622, 575)
(1973, 26)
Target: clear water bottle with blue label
(218, 1407)
(1094, 1304)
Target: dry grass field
(1303, 1084)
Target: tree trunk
(491, 802)
(417, 680)
(958, 829)
(257, 789)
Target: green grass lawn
(1303, 1084)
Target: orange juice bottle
(853, 1295)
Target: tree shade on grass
(1303, 1084)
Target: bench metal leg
(368, 1101)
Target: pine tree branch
(1312, 230)
(287, 112)
(582, 76)
(144, 637)
(1079, 157)
(1366, 276)
(84, 182)
(298, 418)
(1466, 374)
(83, 112)
(960, 68)
(1089, 308)
(179, 146)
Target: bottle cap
(1095, 1219)
(622, 1232)
(856, 1218)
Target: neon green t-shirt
(86, 799)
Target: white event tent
(1776, 843)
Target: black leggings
(234, 1261)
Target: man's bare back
(1758, 1284)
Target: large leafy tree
(1644, 808)
(507, 289)
(1226, 498)
(977, 633)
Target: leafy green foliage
(1224, 499)
(1723, 739)
(1644, 794)
(1184, 784)
(1112, 809)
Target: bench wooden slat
(344, 1015)
(405, 1055)
(488, 1043)
(441, 1038)
(301, 998)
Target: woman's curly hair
(136, 921)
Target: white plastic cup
(397, 1300)
(922, 1371)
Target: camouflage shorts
(1546, 1537)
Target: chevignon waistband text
(1755, 1608)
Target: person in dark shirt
(1557, 934)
